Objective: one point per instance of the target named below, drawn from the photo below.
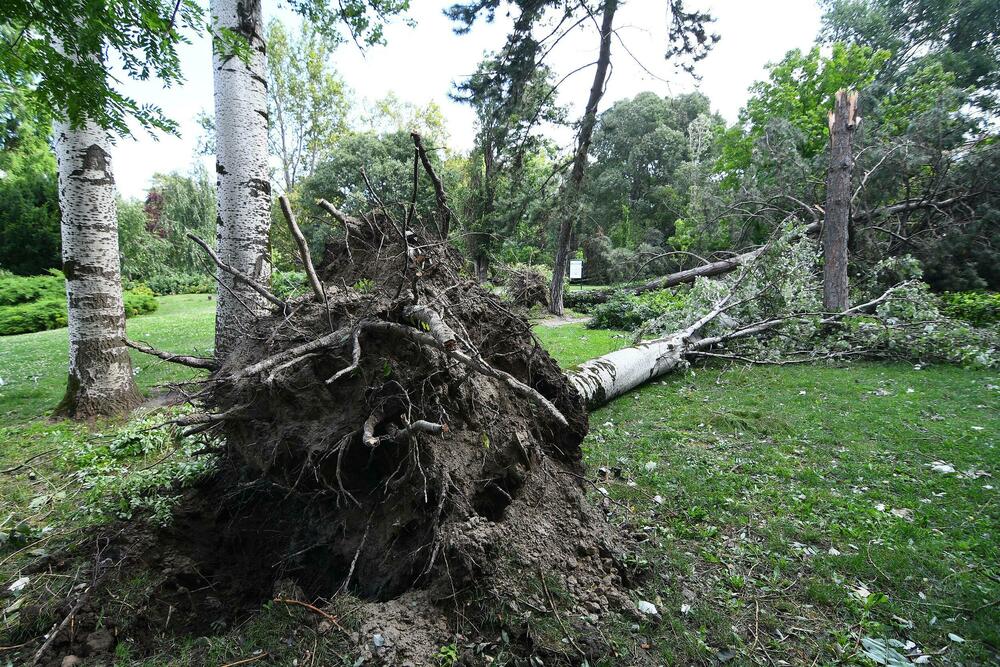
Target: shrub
(23, 289)
(287, 284)
(179, 283)
(628, 312)
(38, 303)
(139, 302)
(34, 316)
(977, 308)
(622, 265)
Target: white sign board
(575, 269)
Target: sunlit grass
(33, 366)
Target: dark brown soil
(481, 529)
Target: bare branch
(444, 211)
(435, 325)
(352, 223)
(335, 339)
(184, 360)
(300, 241)
(246, 280)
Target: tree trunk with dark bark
(843, 121)
(572, 189)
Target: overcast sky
(421, 63)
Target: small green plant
(364, 285)
(629, 311)
(117, 481)
(286, 284)
(447, 656)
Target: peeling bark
(244, 189)
(100, 378)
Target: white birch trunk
(244, 188)
(100, 369)
(605, 378)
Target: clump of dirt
(409, 443)
(527, 288)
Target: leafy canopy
(59, 49)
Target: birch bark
(243, 185)
(100, 370)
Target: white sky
(420, 64)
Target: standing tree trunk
(843, 121)
(244, 188)
(572, 192)
(100, 369)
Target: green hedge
(34, 316)
(24, 289)
(977, 308)
(177, 283)
(38, 303)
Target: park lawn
(791, 511)
(788, 512)
(33, 366)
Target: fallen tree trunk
(607, 377)
(679, 278)
(723, 266)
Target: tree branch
(246, 280)
(300, 241)
(444, 212)
(184, 360)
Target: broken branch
(182, 359)
(240, 277)
(304, 253)
(444, 211)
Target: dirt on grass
(477, 528)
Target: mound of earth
(406, 443)
(527, 288)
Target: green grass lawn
(33, 366)
(783, 513)
(787, 512)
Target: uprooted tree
(399, 435)
(429, 445)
